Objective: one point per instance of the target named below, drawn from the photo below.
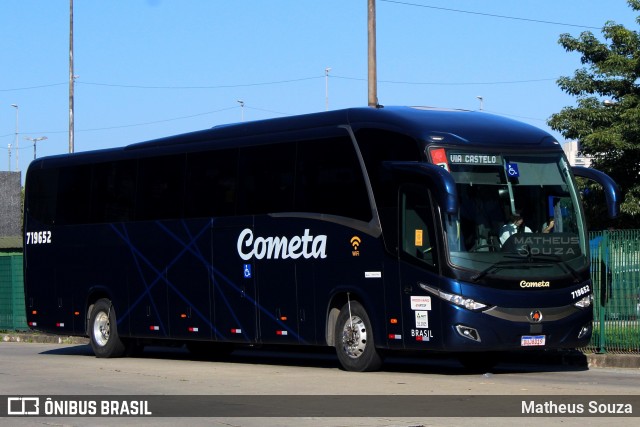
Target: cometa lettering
(306, 246)
(540, 284)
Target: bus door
(418, 264)
(234, 286)
(189, 281)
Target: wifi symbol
(355, 242)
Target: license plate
(532, 340)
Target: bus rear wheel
(103, 331)
(355, 346)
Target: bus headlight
(456, 299)
(584, 302)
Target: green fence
(615, 270)
(12, 309)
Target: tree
(606, 120)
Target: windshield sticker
(418, 239)
(512, 170)
(420, 303)
(439, 157)
(422, 319)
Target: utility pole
(9, 157)
(71, 78)
(373, 77)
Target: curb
(42, 338)
(631, 361)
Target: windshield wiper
(552, 257)
(506, 265)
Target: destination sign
(475, 159)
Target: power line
(202, 87)
(156, 121)
(491, 15)
(451, 83)
(140, 124)
(284, 82)
(32, 87)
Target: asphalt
(562, 357)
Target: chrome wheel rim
(354, 337)
(101, 329)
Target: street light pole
(326, 88)
(481, 102)
(35, 140)
(16, 145)
(241, 108)
(9, 157)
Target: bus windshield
(519, 216)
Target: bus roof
(429, 124)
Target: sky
(152, 68)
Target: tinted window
(329, 179)
(42, 185)
(417, 229)
(211, 183)
(160, 187)
(378, 146)
(74, 195)
(266, 179)
(113, 193)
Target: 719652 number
(38, 237)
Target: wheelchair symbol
(247, 271)
(512, 170)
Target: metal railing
(615, 271)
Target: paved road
(52, 369)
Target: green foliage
(606, 120)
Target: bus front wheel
(103, 331)
(354, 339)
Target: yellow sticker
(418, 237)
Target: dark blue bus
(368, 230)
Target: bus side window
(417, 237)
(266, 179)
(212, 183)
(160, 179)
(42, 195)
(74, 195)
(329, 179)
(113, 191)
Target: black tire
(103, 330)
(354, 341)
